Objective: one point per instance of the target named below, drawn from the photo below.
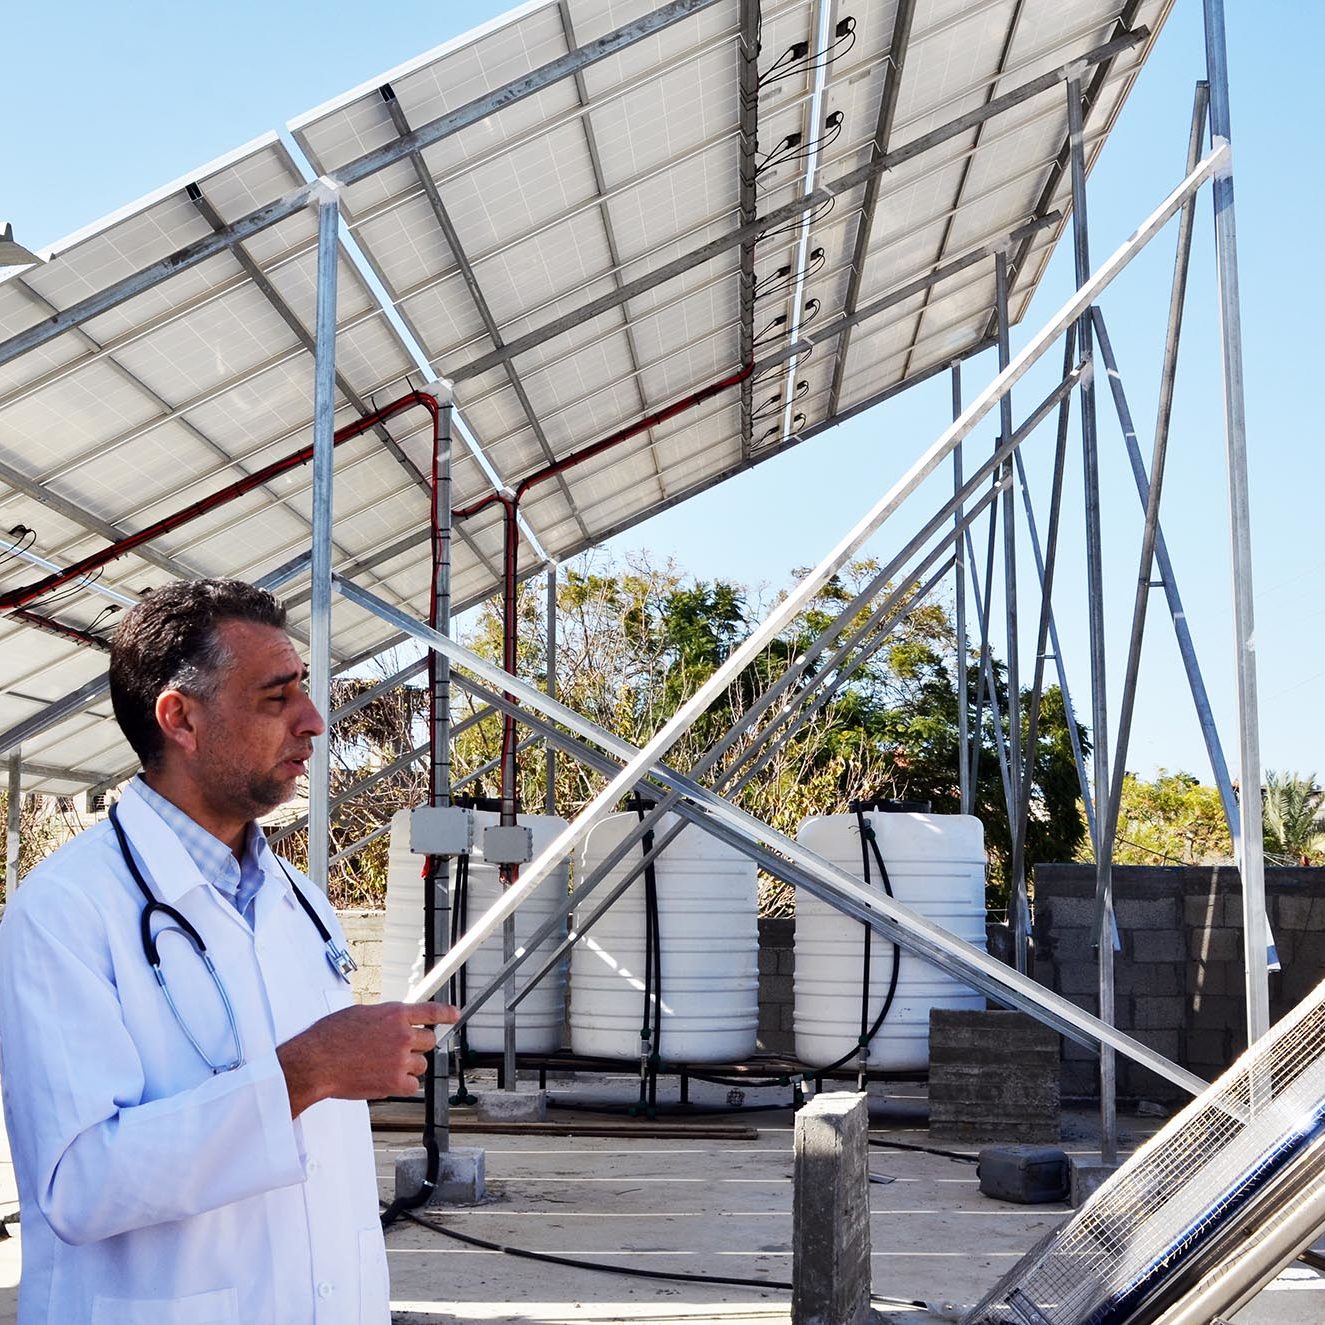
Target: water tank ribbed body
(540, 1019)
(709, 934)
(936, 865)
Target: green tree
(1294, 813)
(1172, 820)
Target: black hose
(402, 1205)
(576, 1264)
(869, 843)
(924, 1150)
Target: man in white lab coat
(210, 1162)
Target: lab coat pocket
(220, 1307)
(374, 1290)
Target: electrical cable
(574, 1263)
(844, 36)
(924, 1150)
(790, 149)
(817, 215)
(812, 268)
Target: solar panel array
(517, 253)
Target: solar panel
(551, 258)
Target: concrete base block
(830, 1212)
(512, 1106)
(1088, 1176)
(459, 1178)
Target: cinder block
(1202, 910)
(1078, 978)
(1159, 945)
(786, 961)
(511, 1106)
(460, 1176)
(1152, 980)
(777, 988)
(830, 1212)
(768, 961)
(1153, 915)
(1088, 1176)
(1157, 1013)
(1214, 945)
(1291, 912)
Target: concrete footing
(1088, 1176)
(459, 1177)
(993, 1077)
(511, 1106)
(831, 1212)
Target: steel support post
(324, 427)
(984, 686)
(1255, 930)
(14, 817)
(438, 908)
(550, 753)
(1021, 917)
(1095, 611)
(959, 596)
(1046, 577)
(1152, 540)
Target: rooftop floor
(710, 1207)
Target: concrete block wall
(777, 970)
(363, 937)
(1179, 976)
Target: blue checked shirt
(239, 882)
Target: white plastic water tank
(709, 936)
(936, 865)
(540, 1019)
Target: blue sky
(103, 103)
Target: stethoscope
(340, 961)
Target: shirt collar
(212, 857)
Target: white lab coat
(152, 1191)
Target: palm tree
(1294, 809)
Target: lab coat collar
(169, 868)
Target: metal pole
(959, 594)
(1046, 568)
(439, 736)
(1095, 609)
(1255, 932)
(1152, 537)
(550, 753)
(324, 427)
(13, 836)
(1021, 917)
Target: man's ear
(176, 715)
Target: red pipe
(28, 593)
(608, 442)
(53, 627)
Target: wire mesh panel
(1186, 1187)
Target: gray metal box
(441, 830)
(508, 845)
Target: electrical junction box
(508, 845)
(441, 830)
